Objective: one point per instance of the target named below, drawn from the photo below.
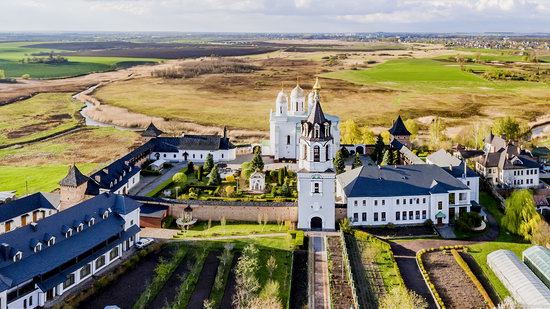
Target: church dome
(281, 98)
(297, 92)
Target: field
(11, 55)
(39, 116)
(42, 165)
(413, 87)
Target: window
(114, 253)
(397, 216)
(354, 203)
(440, 205)
(424, 200)
(79, 228)
(404, 215)
(18, 256)
(327, 153)
(451, 198)
(327, 129)
(38, 247)
(404, 201)
(375, 202)
(462, 197)
(410, 215)
(423, 214)
(316, 187)
(364, 216)
(364, 202)
(383, 216)
(69, 233)
(288, 139)
(316, 154)
(397, 201)
(410, 201)
(51, 241)
(164, 155)
(316, 131)
(86, 270)
(355, 217)
(375, 217)
(69, 281)
(100, 262)
(383, 202)
(91, 222)
(105, 214)
(417, 215)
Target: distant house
(542, 155)
(257, 182)
(504, 163)
(26, 210)
(41, 261)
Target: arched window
(304, 129)
(297, 106)
(316, 131)
(304, 152)
(281, 110)
(327, 129)
(327, 153)
(316, 154)
(288, 139)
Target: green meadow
(12, 53)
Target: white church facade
(285, 124)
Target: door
(8, 226)
(23, 220)
(316, 223)
(439, 221)
(451, 214)
(50, 294)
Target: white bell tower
(316, 175)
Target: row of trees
(352, 133)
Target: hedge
(473, 277)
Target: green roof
(440, 215)
(538, 259)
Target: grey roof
(74, 178)
(316, 117)
(458, 171)
(27, 204)
(398, 128)
(153, 210)
(509, 157)
(191, 142)
(39, 264)
(442, 158)
(400, 180)
(151, 131)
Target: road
(319, 291)
(148, 184)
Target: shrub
(168, 222)
(468, 220)
(345, 225)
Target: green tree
(257, 164)
(368, 137)
(190, 168)
(412, 126)
(437, 133)
(386, 158)
(281, 176)
(521, 217)
(339, 164)
(356, 161)
(510, 127)
(214, 178)
(200, 171)
(179, 178)
(378, 149)
(247, 284)
(345, 152)
(2, 74)
(209, 163)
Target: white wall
(521, 178)
(196, 156)
(316, 204)
(390, 206)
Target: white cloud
(302, 4)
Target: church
(286, 121)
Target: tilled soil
(168, 292)
(126, 290)
(227, 300)
(206, 281)
(340, 288)
(451, 282)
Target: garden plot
(168, 293)
(132, 283)
(206, 281)
(299, 288)
(451, 282)
(340, 287)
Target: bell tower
(316, 175)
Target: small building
(537, 258)
(401, 195)
(26, 210)
(157, 165)
(257, 182)
(42, 261)
(526, 288)
(151, 215)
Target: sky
(308, 16)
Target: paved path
(147, 186)
(319, 295)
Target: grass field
(13, 52)
(413, 88)
(44, 164)
(38, 116)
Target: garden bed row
(341, 294)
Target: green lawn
(13, 52)
(231, 228)
(39, 116)
(424, 74)
(38, 178)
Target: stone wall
(238, 213)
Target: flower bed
(449, 282)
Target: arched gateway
(316, 223)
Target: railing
(347, 266)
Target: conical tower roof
(151, 131)
(74, 178)
(398, 128)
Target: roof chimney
(4, 250)
(106, 171)
(97, 178)
(34, 226)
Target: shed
(526, 288)
(151, 215)
(157, 165)
(537, 258)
